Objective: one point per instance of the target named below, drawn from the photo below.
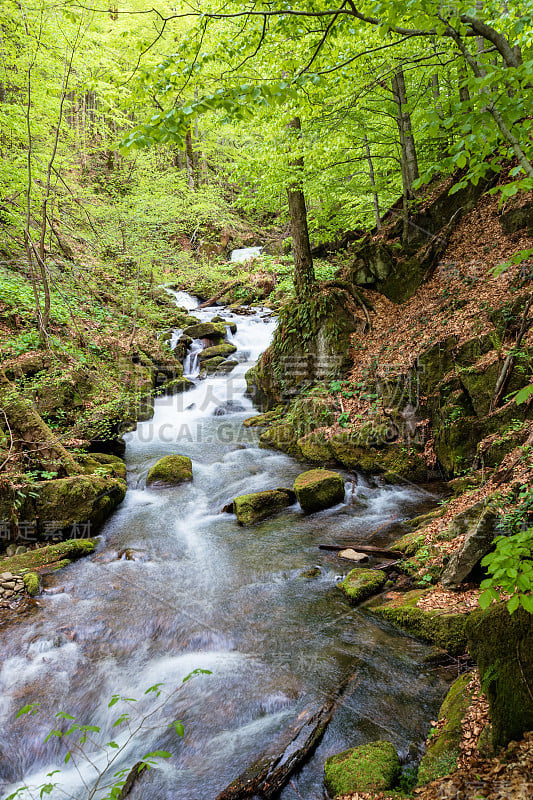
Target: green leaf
(485, 598)
(31, 708)
(513, 603)
(526, 601)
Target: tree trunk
(189, 157)
(407, 142)
(304, 273)
(32, 435)
(377, 215)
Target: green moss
(312, 572)
(61, 564)
(319, 488)
(371, 767)
(261, 420)
(443, 629)
(409, 544)
(116, 466)
(251, 508)
(281, 437)
(360, 584)
(46, 556)
(31, 582)
(502, 646)
(212, 364)
(170, 471)
(394, 461)
(206, 330)
(443, 750)
(177, 385)
(314, 447)
(224, 349)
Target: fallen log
(267, 776)
(218, 295)
(367, 549)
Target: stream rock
(443, 750)
(224, 349)
(170, 471)
(480, 523)
(251, 508)
(206, 330)
(361, 584)
(319, 488)
(372, 767)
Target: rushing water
(203, 592)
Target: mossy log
(30, 434)
(47, 557)
(267, 776)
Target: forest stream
(196, 590)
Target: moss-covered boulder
(315, 448)
(212, 365)
(281, 437)
(73, 504)
(360, 584)
(170, 471)
(250, 508)
(443, 749)
(114, 465)
(225, 349)
(45, 558)
(206, 330)
(446, 630)
(502, 646)
(319, 488)
(227, 365)
(178, 385)
(394, 461)
(373, 767)
(31, 582)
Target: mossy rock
(31, 582)
(373, 767)
(395, 462)
(227, 365)
(177, 386)
(315, 448)
(115, 464)
(262, 420)
(281, 437)
(317, 489)
(409, 544)
(170, 471)
(76, 501)
(225, 349)
(212, 364)
(206, 330)
(46, 557)
(446, 630)
(251, 508)
(311, 573)
(443, 749)
(502, 646)
(360, 584)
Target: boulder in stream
(251, 508)
(372, 767)
(319, 488)
(206, 330)
(170, 471)
(224, 349)
(360, 584)
(177, 386)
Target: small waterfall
(245, 253)
(191, 365)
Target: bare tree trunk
(377, 215)
(304, 273)
(407, 142)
